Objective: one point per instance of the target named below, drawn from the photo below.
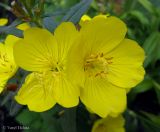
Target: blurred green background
(143, 113)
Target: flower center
(97, 65)
(57, 68)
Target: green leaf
(11, 29)
(129, 5)
(51, 125)
(150, 46)
(50, 121)
(131, 121)
(149, 124)
(157, 89)
(69, 119)
(49, 24)
(76, 12)
(153, 118)
(147, 5)
(5, 6)
(14, 108)
(140, 16)
(144, 86)
(26, 117)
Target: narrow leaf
(49, 23)
(76, 12)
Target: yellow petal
(65, 35)
(75, 64)
(101, 16)
(37, 92)
(7, 64)
(109, 124)
(84, 20)
(37, 51)
(102, 34)
(126, 68)
(3, 21)
(102, 97)
(9, 43)
(3, 81)
(23, 26)
(65, 93)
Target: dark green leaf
(153, 118)
(26, 117)
(11, 29)
(144, 86)
(76, 12)
(68, 120)
(150, 47)
(49, 23)
(147, 5)
(140, 16)
(157, 89)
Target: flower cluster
(95, 64)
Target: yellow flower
(105, 64)
(3, 21)
(45, 55)
(8, 66)
(109, 124)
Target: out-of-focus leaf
(155, 2)
(56, 13)
(153, 118)
(147, 5)
(131, 34)
(15, 108)
(144, 86)
(129, 5)
(150, 46)
(75, 13)
(11, 29)
(140, 16)
(131, 121)
(69, 119)
(157, 89)
(50, 121)
(69, 3)
(149, 125)
(5, 6)
(7, 98)
(49, 23)
(26, 117)
(51, 125)
(95, 5)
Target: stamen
(97, 65)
